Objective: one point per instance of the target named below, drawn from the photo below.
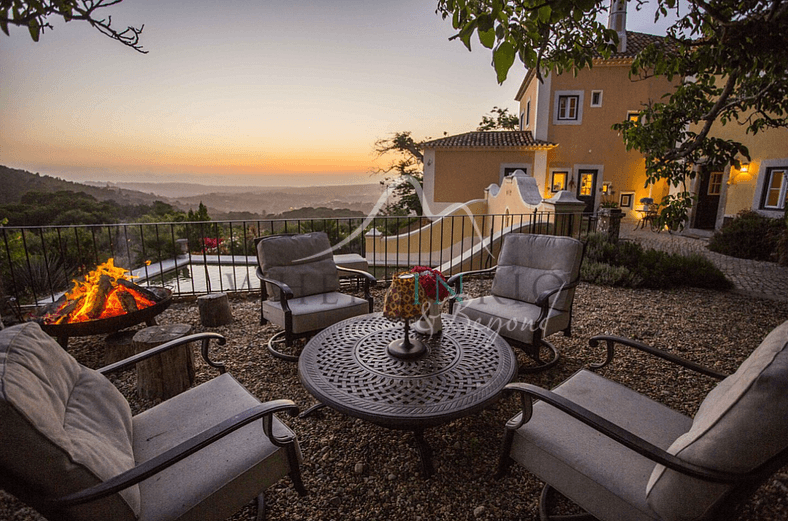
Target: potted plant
(433, 290)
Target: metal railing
(38, 263)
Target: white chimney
(617, 21)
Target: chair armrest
(633, 442)
(361, 273)
(542, 300)
(670, 357)
(285, 293)
(168, 458)
(204, 337)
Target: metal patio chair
(620, 455)
(531, 295)
(71, 449)
(299, 289)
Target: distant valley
(259, 200)
(222, 202)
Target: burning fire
(105, 292)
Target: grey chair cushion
(315, 312)
(511, 318)
(530, 264)
(741, 424)
(589, 468)
(63, 427)
(242, 465)
(303, 262)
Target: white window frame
(567, 171)
(767, 182)
(527, 114)
(556, 107)
(591, 101)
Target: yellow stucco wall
(770, 144)
(594, 141)
(462, 175)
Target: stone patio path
(760, 279)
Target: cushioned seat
(300, 288)
(512, 318)
(65, 428)
(245, 459)
(620, 455)
(311, 312)
(531, 295)
(605, 477)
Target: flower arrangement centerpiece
(434, 291)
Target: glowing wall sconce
(743, 174)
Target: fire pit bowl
(103, 326)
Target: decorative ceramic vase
(430, 321)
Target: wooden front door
(708, 199)
(586, 188)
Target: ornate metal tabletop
(347, 368)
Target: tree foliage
(34, 14)
(499, 119)
(729, 56)
(65, 207)
(404, 170)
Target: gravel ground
(354, 470)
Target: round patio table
(347, 367)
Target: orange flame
(87, 292)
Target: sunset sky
(242, 92)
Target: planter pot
(430, 322)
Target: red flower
(428, 281)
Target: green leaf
(3, 23)
(34, 29)
(503, 59)
(544, 14)
(487, 38)
(466, 33)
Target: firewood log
(62, 314)
(148, 294)
(104, 287)
(126, 300)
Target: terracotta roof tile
(636, 42)
(494, 139)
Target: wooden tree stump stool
(119, 345)
(214, 310)
(169, 373)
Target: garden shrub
(627, 264)
(607, 275)
(749, 236)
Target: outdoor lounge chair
(531, 295)
(70, 448)
(620, 455)
(299, 288)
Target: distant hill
(262, 200)
(16, 183)
(231, 202)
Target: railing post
(567, 211)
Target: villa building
(566, 142)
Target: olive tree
(35, 15)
